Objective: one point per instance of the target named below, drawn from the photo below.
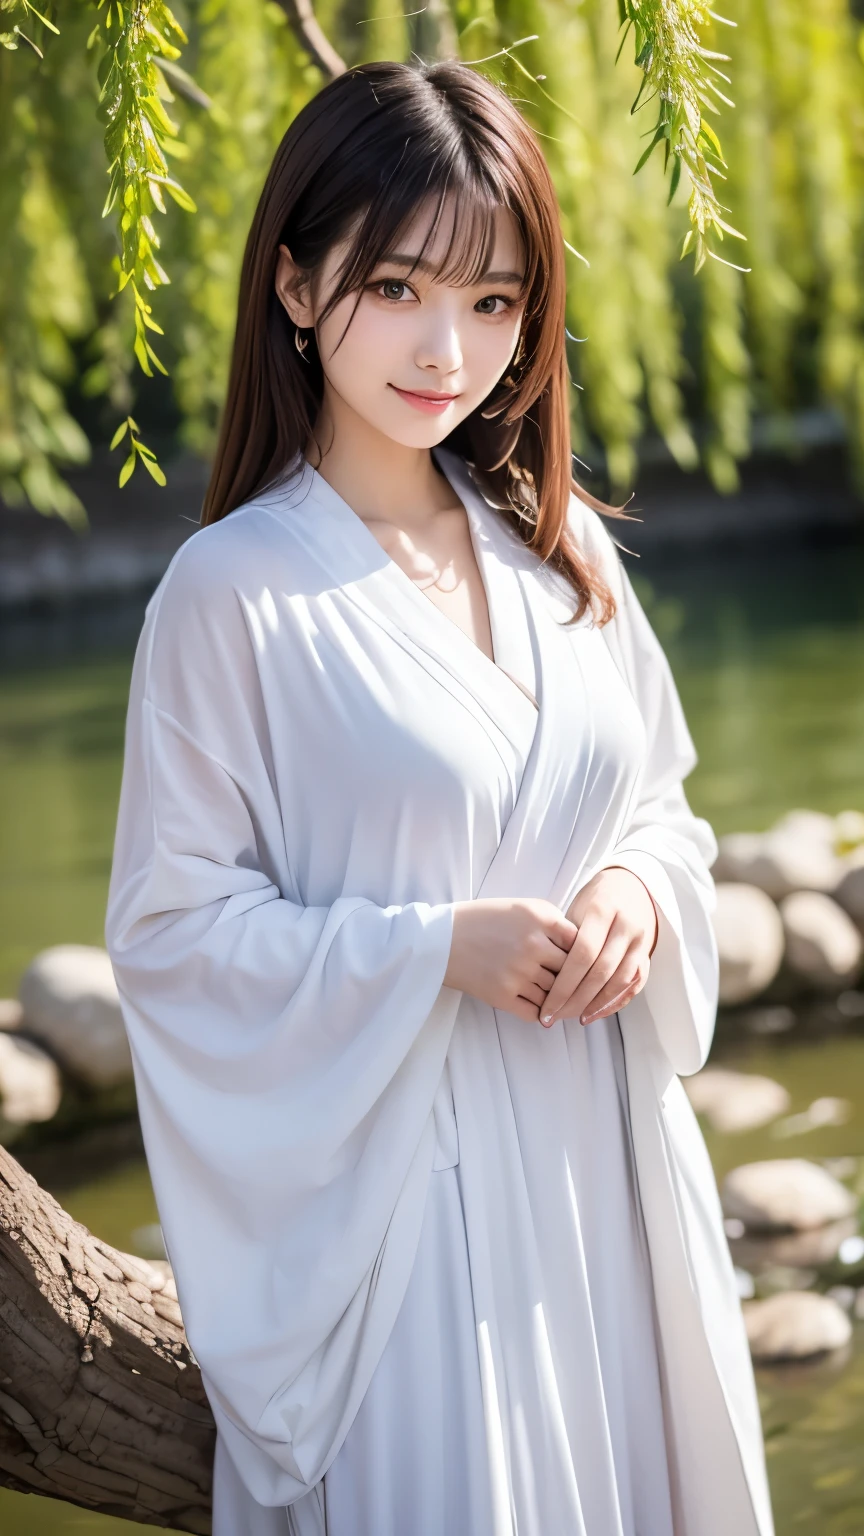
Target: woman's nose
(440, 345)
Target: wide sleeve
(286, 1056)
(663, 842)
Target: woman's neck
(380, 479)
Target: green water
(768, 652)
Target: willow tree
(133, 143)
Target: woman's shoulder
(237, 555)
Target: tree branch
(101, 1401)
(310, 35)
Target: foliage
(689, 358)
(682, 73)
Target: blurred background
(729, 402)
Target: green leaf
(154, 470)
(119, 434)
(126, 470)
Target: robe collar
(366, 574)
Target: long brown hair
(356, 163)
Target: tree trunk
(101, 1401)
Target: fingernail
(546, 1018)
(588, 1018)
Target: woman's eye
(494, 298)
(386, 286)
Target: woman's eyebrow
(420, 264)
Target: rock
(736, 854)
(844, 1295)
(785, 1194)
(849, 892)
(735, 1101)
(11, 1014)
(30, 1085)
(823, 945)
(848, 831)
(70, 1002)
(815, 1249)
(822, 1112)
(797, 854)
(749, 935)
(814, 826)
(793, 1325)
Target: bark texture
(101, 1401)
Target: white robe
(318, 764)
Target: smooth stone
(11, 1014)
(70, 1001)
(822, 1112)
(735, 1101)
(796, 854)
(823, 945)
(785, 1194)
(844, 1295)
(813, 1249)
(30, 1084)
(849, 831)
(794, 1325)
(736, 854)
(749, 934)
(849, 892)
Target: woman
(409, 914)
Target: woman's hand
(608, 962)
(508, 952)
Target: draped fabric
(319, 763)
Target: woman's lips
(431, 405)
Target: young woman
(409, 914)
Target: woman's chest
(422, 738)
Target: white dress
(463, 1251)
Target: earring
(301, 345)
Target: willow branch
(310, 35)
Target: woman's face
(415, 338)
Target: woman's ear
(292, 287)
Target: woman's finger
(608, 964)
(615, 965)
(534, 994)
(549, 955)
(609, 1000)
(587, 946)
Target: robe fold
(318, 764)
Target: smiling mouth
(427, 401)
(424, 394)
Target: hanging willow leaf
(138, 38)
(680, 71)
